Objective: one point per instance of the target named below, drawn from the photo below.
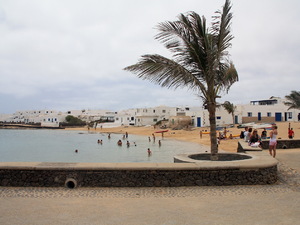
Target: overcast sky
(70, 54)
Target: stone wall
(283, 143)
(171, 177)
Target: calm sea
(17, 145)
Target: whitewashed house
(150, 116)
(200, 116)
(267, 111)
(141, 116)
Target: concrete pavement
(290, 157)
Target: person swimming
(119, 143)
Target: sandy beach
(193, 135)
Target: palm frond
(221, 29)
(293, 100)
(165, 72)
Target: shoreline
(193, 135)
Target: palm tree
(200, 60)
(293, 100)
(230, 108)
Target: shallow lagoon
(17, 145)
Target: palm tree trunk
(213, 131)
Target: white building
(89, 115)
(141, 116)
(34, 116)
(259, 111)
(269, 110)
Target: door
(278, 117)
(198, 121)
(236, 119)
(259, 116)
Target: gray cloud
(70, 54)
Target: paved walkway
(262, 204)
(290, 157)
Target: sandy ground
(229, 145)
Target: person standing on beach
(273, 141)
(149, 152)
(291, 133)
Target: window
(290, 115)
(218, 117)
(249, 114)
(269, 114)
(153, 110)
(163, 111)
(154, 120)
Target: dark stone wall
(137, 178)
(283, 143)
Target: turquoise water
(17, 145)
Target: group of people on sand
(251, 136)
